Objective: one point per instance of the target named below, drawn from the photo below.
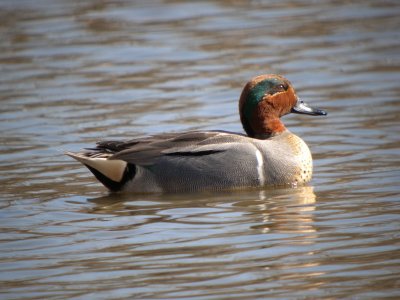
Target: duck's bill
(303, 108)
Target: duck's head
(264, 100)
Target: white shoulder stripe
(260, 167)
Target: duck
(267, 155)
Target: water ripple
(74, 72)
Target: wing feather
(145, 151)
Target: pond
(76, 72)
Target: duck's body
(211, 160)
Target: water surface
(74, 72)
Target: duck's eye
(281, 87)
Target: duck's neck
(267, 127)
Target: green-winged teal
(269, 155)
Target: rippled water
(74, 72)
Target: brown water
(74, 72)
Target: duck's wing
(145, 151)
(114, 162)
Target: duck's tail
(112, 173)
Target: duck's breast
(287, 160)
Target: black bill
(303, 108)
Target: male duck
(209, 160)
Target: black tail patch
(115, 186)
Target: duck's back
(223, 161)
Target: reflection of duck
(209, 160)
(288, 212)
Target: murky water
(74, 72)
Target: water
(74, 72)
